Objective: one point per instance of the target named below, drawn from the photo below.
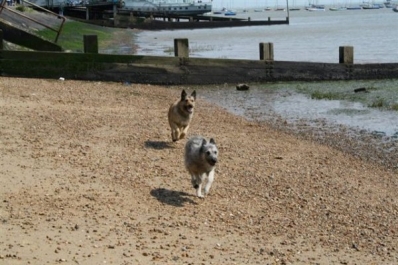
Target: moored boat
(229, 13)
(140, 7)
(371, 6)
(337, 8)
(315, 8)
(354, 8)
(167, 7)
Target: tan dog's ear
(183, 95)
(194, 94)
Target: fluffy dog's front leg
(197, 184)
(199, 191)
(210, 180)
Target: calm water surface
(310, 36)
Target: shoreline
(258, 105)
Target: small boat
(354, 8)
(395, 8)
(316, 8)
(388, 4)
(337, 8)
(373, 6)
(229, 13)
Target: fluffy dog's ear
(194, 94)
(183, 95)
(212, 141)
(204, 142)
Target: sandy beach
(89, 175)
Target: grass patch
(378, 103)
(394, 107)
(71, 37)
(21, 8)
(324, 95)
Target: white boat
(167, 7)
(316, 8)
(337, 8)
(140, 7)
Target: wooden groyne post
(90, 43)
(181, 48)
(346, 54)
(266, 51)
(267, 55)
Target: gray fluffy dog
(200, 160)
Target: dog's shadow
(171, 197)
(158, 145)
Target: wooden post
(266, 51)
(346, 54)
(115, 21)
(90, 43)
(181, 48)
(1, 40)
(87, 13)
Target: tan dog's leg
(184, 132)
(175, 133)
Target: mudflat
(89, 175)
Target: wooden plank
(20, 37)
(174, 70)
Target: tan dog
(180, 115)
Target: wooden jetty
(103, 16)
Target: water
(310, 36)
(283, 101)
